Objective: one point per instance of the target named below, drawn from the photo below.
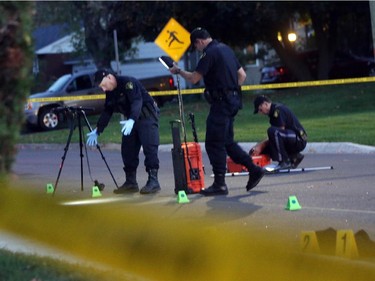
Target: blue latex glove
(127, 126)
(92, 139)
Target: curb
(311, 148)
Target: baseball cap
(100, 74)
(258, 101)
(198, 33)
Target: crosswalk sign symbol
(174, 39)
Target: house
(52, 49)
(55, 56)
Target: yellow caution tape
(90, 97)
(175, 92)
(309, 83)
(165, 242)
(244, 88)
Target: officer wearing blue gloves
(126, 95)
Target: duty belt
(218, 95)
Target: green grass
(341, 113)
(19, 266)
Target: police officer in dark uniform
(286, 136)
(223, 77)
(126, 95)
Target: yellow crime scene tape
(51, 99)
(244, 88)
(309, 83)
(154, 242)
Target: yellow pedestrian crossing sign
(174, 39)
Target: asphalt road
(338, 198)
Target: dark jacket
(128, 98)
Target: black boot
(130, 184)
(255, 175)
(296, 160)
(283, 165)
(217, 188)
(152, 185)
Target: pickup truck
(43, 113)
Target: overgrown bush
(15, 75)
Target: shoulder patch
(129, 86)
(276, 113)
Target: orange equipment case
(260, 160)
(193, 166)
(187, 161)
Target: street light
(292, 37)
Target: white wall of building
(145, 63)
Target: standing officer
(286, 136)
(126, 95)
(223, 77)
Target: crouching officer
(126, 95)
(286, 136)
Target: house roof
(63, 45)
(46, 35)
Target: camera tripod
(78, 113)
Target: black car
(344, 66)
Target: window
(83, 82)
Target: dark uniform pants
(284, 143)
(145, 133)
(220, 136)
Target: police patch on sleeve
(276, 113)
(129, 86)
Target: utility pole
(116, 51)
(372, 15)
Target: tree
(237, 23)
(15, 65)
(241, 23)
(332, 23)
(99, 19)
